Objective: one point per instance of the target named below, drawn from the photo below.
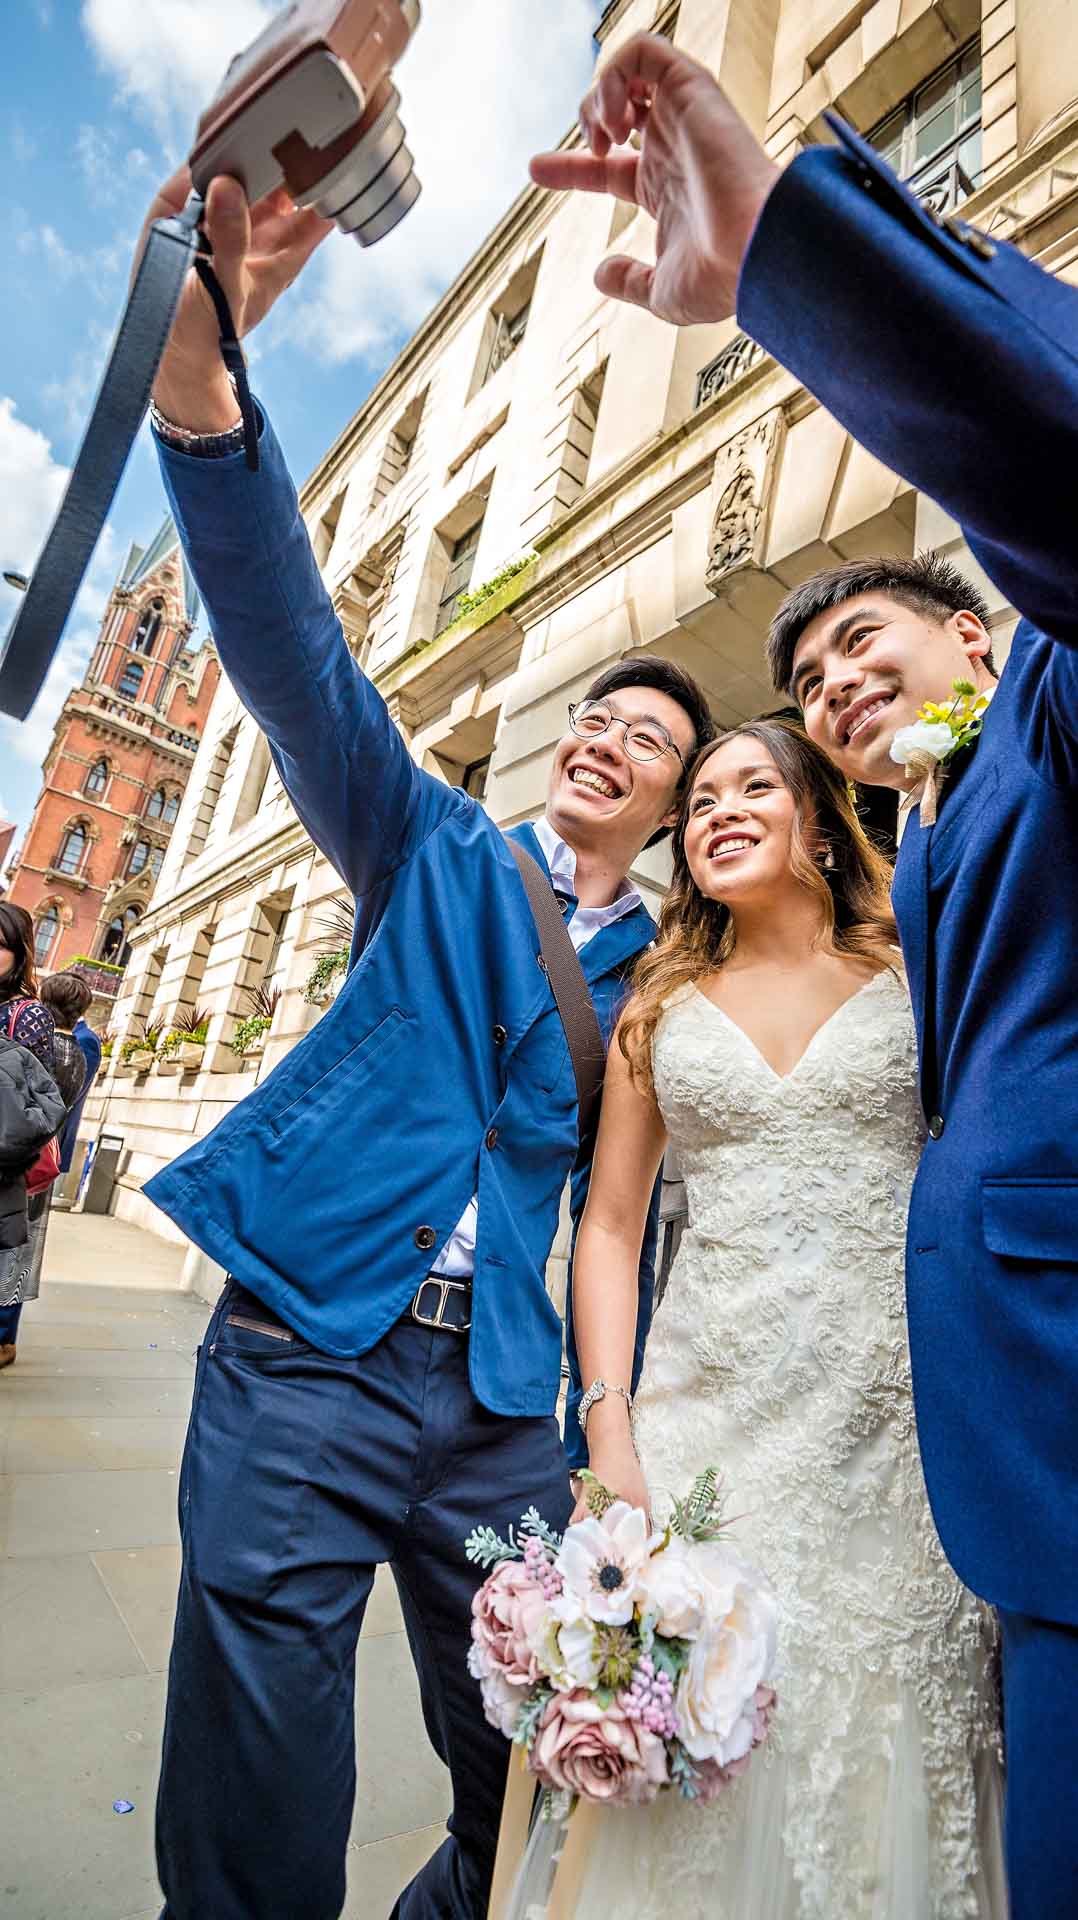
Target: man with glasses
(381, 1372)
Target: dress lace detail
(779, 1353)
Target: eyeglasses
(643, 739)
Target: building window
(72, 850)
(397, 451)
(474, 778)
(507, 321)
(140, 853)
(461, 563)
(148, 628)
(509, 331)
(48, 926)
(98, 778)
(131, 681)
(163, 806)
(116, 946)
(157, 860)
(933, 140)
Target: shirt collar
(561, 859)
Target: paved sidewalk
(92, 1417)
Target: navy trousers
(1040, 1709)
(300, 1475)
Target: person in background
(24, 1019)
(69, 996)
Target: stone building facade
(544, 480)
(121, 755)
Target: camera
(310, 106)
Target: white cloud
(168, 57)
(31, 486)
(484, 85)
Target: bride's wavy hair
(696, 935)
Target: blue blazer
(960, 372)
(442, 1068)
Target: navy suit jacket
(442, 1068)
(91, 1053)
(960, 372)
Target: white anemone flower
(925, 739)
(600, 1562)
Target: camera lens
(374, 186)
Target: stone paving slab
(88, 1480)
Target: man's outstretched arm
(341, 759)
(957, 367)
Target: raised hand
(257, 253)
(699, 172)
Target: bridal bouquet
(625, 1661)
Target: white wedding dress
(779, 1355)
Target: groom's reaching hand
(699, 171)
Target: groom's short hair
(652, 670)
(928, 583)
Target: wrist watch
(596, 1392)
(205, 446)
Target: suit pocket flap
(1029, 1219)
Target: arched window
(148, 628)
(157, 857)
(116, 945)
(98, 777)
(140, 853)
(72, 849)
(45, 932)
(156, 806)
(131, 680)
(171, 808)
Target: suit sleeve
(955, 361)
(341, 760)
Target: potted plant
(139, 1050)
(249, 1039)
(330, 970)
(182, 1048)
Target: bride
(770, 1036)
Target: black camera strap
(119, 410)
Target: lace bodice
(779, 1353)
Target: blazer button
(935, 1125)
(492, 1139)
(501, 1035)
(425, 1238)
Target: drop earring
(829, 859)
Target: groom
(955, 361)
(381, 1372)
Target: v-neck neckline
(781, 1078)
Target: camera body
(310, 106)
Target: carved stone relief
(741, 489)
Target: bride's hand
(614, 1463)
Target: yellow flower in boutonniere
(937, 733)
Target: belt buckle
(438, 1320)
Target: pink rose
(507, 1616)
(597, 1752)
(711, 1778)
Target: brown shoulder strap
(569, 987)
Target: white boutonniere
(935, 736)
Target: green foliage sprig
(700, 1516)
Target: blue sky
(98, 100)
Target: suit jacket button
(492, 1139)
(935, 1125)
(501, 1035)
(425, 1238)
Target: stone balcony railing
(736, 358)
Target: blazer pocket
(342, 1079)
(1025, 1218)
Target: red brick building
(120, 758)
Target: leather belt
(172, 247)
(451, 1308)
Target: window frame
(939, 177)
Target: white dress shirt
(457, 1258)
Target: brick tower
(115, 773)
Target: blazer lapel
(910, 902)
